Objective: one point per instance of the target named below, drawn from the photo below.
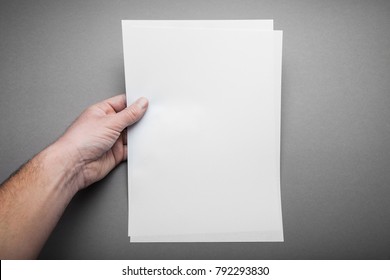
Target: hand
(34, 198)
(97, 141)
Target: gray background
(58, 57)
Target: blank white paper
(204, 161)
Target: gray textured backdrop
(58, 57)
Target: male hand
(34, 198)
(97, 141)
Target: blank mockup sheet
(204, 161)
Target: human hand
(34, 198)
(97, 141)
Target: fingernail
(142, 102)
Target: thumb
(133, 113)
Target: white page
(242, 236)
(231, 24)
(187, 201)
(181, 124)
(226, 24)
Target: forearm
(33, 200)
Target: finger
(124, 136)
(124, 152)
(117, 103)
(118, 152)
(133, 113)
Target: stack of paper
(204, 162)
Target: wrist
(62, 167)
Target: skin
(33, 199)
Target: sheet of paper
(200, 167)
(231, 24)
(242, 236)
